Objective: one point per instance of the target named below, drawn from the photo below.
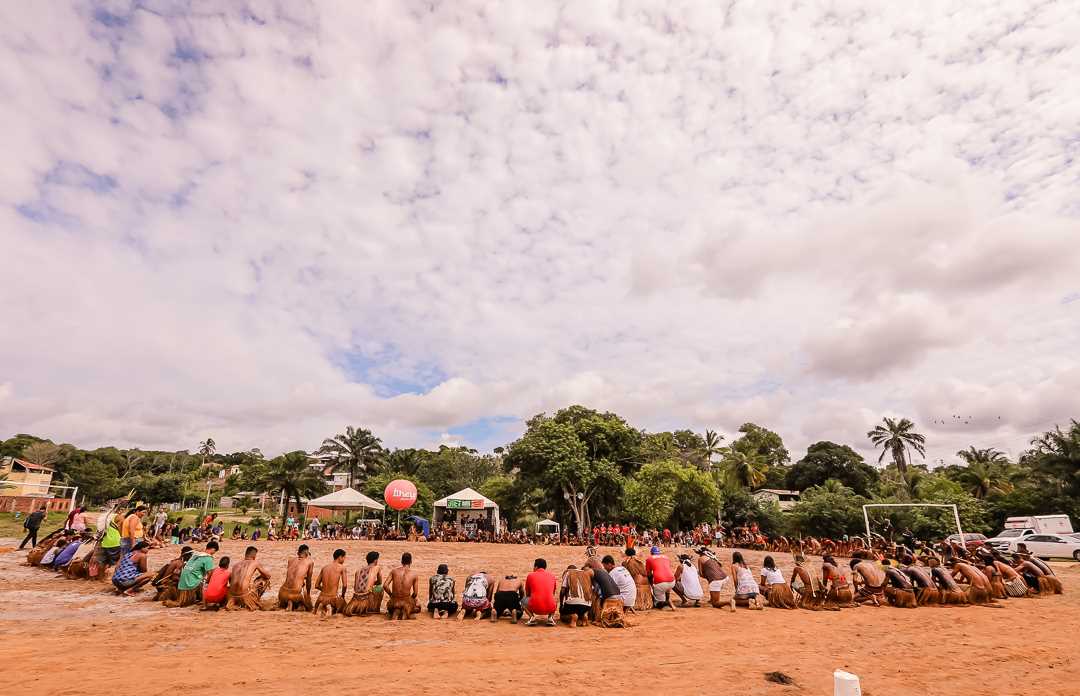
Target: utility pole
(206, 505)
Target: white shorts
(719, 585)
(660, 590)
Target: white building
(784, 498)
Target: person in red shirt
(661, 579)
(539, 597)
(217, 586)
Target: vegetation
(582, 467)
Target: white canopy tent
(547, 527)
(469, 506)
(346, 499)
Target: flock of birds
(964, 420)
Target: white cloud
(263, 224)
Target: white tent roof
(466, 494)
(346, 499)
(547, 523)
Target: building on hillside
(24, 478)
(228, 471)
(784, 498)
(26, 488)
(259, 501)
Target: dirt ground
(72, 637)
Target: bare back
(298, 573)
(509, 585)
(331, 578)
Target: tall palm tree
(986, 471)
(743, 469)
(207, 448)
(292, 475)
(357, 450)
(711, 449)
(897, 437)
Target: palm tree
(405, 461)
(896, 437)
(357, 450)
(711, 448)
(743, 469)
(985, 472)
(207, 448)
(292, 475)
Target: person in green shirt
(110, 542)
(192, 578)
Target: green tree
(408, 461)
(206, 449)
(606, 436)
(14, 447)
(552, 455)
(767, 445)
(831, 509)
(1055, 456)
(987, 472)
(828, 460)
(897, 437)
(42, 453)
(743, 469)
(356, 451)
(292, 474)
(711, 448)
(670, 493)
(166, 488)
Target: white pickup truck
(1019, 528)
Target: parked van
(1018, 528)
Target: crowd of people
(602, 589)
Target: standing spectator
(132, 530)
(32, 524)
(159, 523)
(78, 521)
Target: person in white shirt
(687, 582)
(625, 581)
(777, 592)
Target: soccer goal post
(46, 489)
(866, 516)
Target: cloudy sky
(260, 222)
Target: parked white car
(1042, 545)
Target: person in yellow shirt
(132, 530)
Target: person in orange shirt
(132, 530)
(217, 587)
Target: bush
(257, 522)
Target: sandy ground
(72, 637)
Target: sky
(260, 222)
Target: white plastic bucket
(846, 684)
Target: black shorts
(580, 609)
(112, 555)
(507, 600)
(448, 607)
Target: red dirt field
(73, 637)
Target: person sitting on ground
(64, 557)
(661, 579)
(838, 592)
(441, 593)
(950, 591)
(217, 586)
(508, 593)
(168, 576)
(1033, 575)
(636, 567)
(986, 566)
(709, 567)
(777, 592)
(687, 583)
(367, 588)
(747, 592)
(403, 586)
(476, 597)
(1015, 587)
(193, 576)
(296, 590)
(540, 589)
(1051, 577)
(576, 596)
(926, 591)
(607, 596)
(869, 581)
(55, 550)
(978, 587)
(898, 589)
(247, 583)
(805, 586)
(131, 573)
(332, 585)
(624, 580)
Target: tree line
(584, 467)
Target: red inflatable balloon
(400, 494)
